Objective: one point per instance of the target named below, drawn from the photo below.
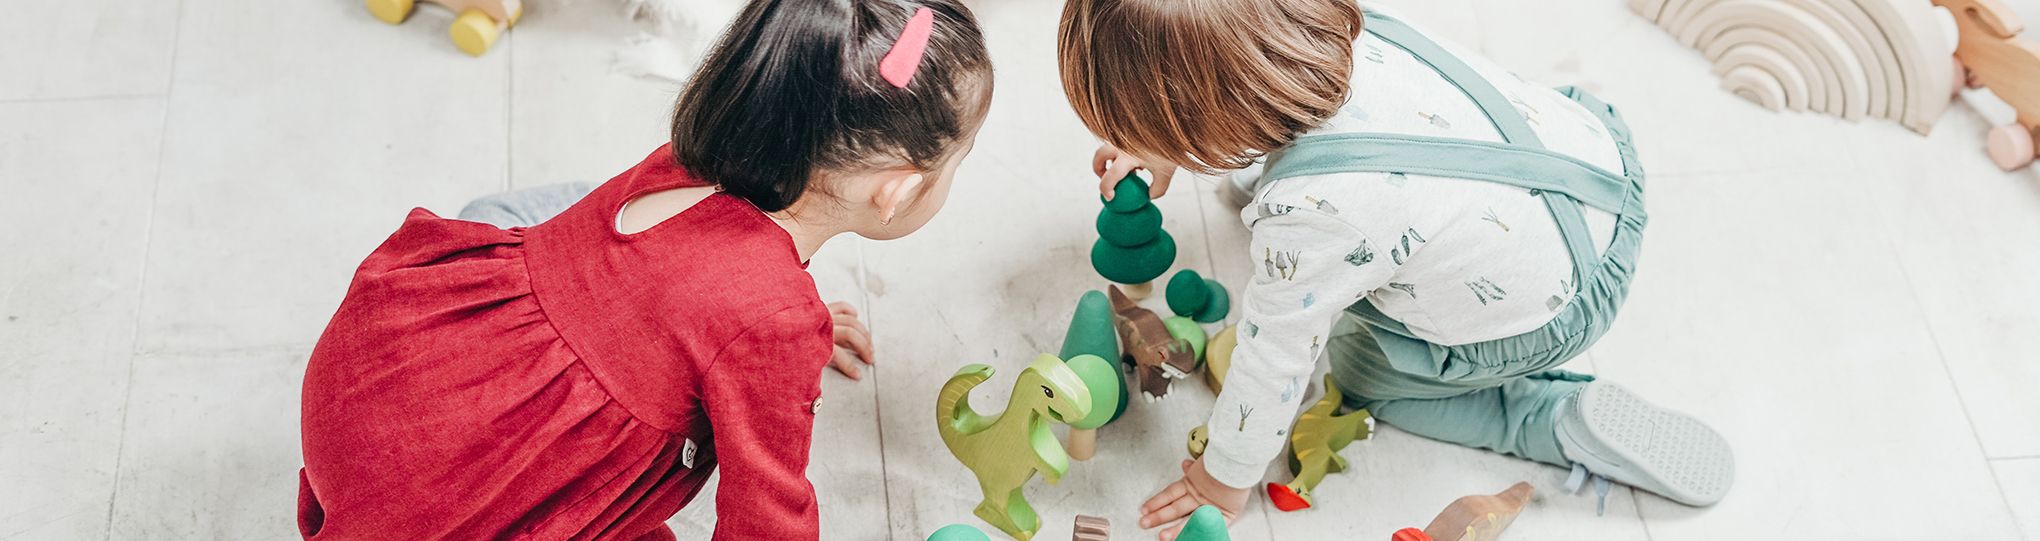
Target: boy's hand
(1175, 502)
(853, 341)
(1112, 164)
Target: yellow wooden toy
(476, 26)
(1007, 449)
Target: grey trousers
(526, 207)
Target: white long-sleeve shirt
(1456, 260)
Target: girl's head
(1206, 84)
(790, 107)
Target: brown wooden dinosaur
(1158, 357)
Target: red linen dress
(567, 381)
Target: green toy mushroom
(958, 532)
(1132, 248)
(1197, 297)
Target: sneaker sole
(1674, 455)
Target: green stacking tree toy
(1092, 332)
(1007, 449)
(1197, 297)
(1132, 248)
(1207, 523)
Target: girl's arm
(1309, 265)
(760, 397)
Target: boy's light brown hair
(1207, 84)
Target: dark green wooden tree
(1132, 248)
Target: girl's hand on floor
(1196, 489)
(853, 341)
(1112, 164)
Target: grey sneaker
(1608, 432)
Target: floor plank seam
(142, 274)
(75, 99)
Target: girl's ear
(895, 192)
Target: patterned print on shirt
(1486, 291)
(1362, 255)
(1408, 289)
(1398, 179)
(1289, 391)
(1315, 347)
(1529, 113)
(1280, 264)
(1271, 210)
(1436, 120)
(1496, 219)
(1356, 113)
(1309, 299)
(1374, 54)
(1410, 239)
(1322, 205)
(1252, 329)
(1565, 294)
(1245, 412)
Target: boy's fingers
(1170, 513)
(1161, 183)
(1103, 156)
(1168, 494)
(1186, 465)
(1170, 533)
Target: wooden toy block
(477, 23)
(958, 532)
(1479, 517)
(1006, 450)
(1314, 445)
(1090, 528)
(1207, 523)
(1158, 356)
(1132, 248)
(1995, 57)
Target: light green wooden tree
(1007, 449)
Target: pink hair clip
(904, 60)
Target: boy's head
(792, 100)
(1206, 85)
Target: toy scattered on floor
(1314, 445)
(958, 532)
(1090, 528)
(1189, 333)
(1006, 450)
(1158, 357)
(1479, 517)
(1207, 523)
(1091, 346)
(1132, 248)
(1197, 297)
(1992, 55)
(1848, 58)
(1218, 357)
(1108, 396)
(477, 23)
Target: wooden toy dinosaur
(1158, 356)
(1314, 445)
(1994, 56)
(1479, 517)
(477, 25)
(1006, 450)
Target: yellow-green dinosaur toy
(1314, 445)
(1006, 450)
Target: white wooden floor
(185, 187)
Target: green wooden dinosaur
(1006, 450)
(1314, 445)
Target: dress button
(816, 408)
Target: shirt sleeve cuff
(1231, 472)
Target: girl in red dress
(581, 378)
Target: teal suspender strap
(1510, 123)
(1566, 182)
